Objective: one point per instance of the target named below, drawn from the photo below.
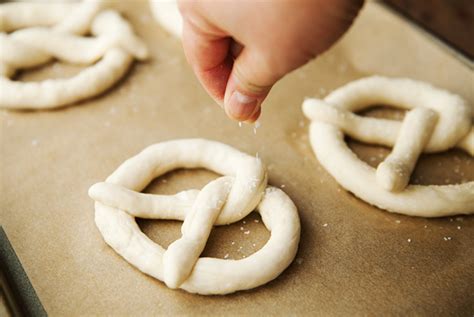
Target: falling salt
(425, 226)
(409, 240)
(233, 242)
(254, 245)
(256, 221)
(34, 142)
(241, 228)
(240, 124)
(244, 222)
(447, 238)
(247, 232)
(226, 256)
(325, 225)
(256, 125)
(459, 227)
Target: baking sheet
(353, 258)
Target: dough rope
(224, 200)
(167, 14)
(114, 46)
(437, 121)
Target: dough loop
(437, 121)
(41, 32)
(222, 201)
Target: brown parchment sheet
(353, 258)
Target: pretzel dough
(43, 31)
(167, 14)
(223, 201)
(439, 121)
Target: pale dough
(439, 121)
(166, 13)
(46, 31)
(222, 201)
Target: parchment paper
(353, 258)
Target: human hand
(240, 49)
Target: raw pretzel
(222, 201)
(42, 32)
(439, 121)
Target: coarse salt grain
(247, 232)
(325, 225)
(226, 256)
(409, 240)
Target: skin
(239, 49)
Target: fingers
(207, 53)
(249, 84)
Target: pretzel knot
(437, 121)
(42, 32)
(222, 201)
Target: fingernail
(240, 106)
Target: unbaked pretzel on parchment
(437, 120)
(41, 32)
(224, 200)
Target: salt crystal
(226, 256)
(256, 221)
(397, 221)
(325, 225)
(241, 228)
(409, 240)
(459, 227)
(233, 242)
(244, 222)
(247, 232)
(425, 226)
(254, 245)
(240, 124)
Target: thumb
(249, 83)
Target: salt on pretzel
(222, 201)
(437, 121)
(59, 36)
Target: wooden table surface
(452, 21)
